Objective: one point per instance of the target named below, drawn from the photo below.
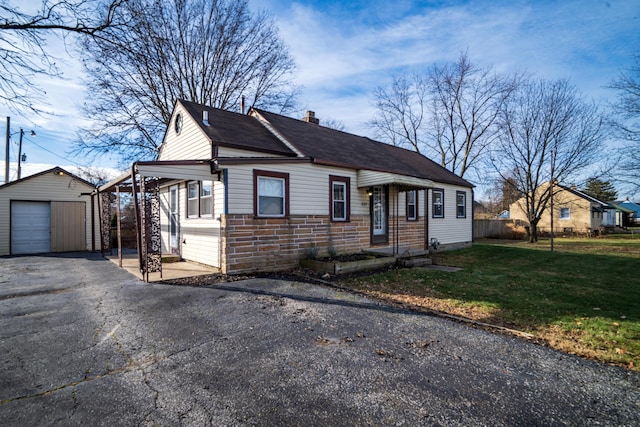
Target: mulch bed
(298, 275)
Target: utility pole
(551, 195)
(20, 152)
(6, 161)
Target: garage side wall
(47, 187)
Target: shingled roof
(319, 144)
(333, 147)
(236, 130)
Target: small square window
(565, 213)
(438, 203)
(271, 198)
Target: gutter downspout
(473, 223)
(426, 219)
(225, 183)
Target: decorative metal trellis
(105, 222)
(150, 228)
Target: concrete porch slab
(170, 270)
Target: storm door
(174, 218)
(379, 215)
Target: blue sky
(344, 49)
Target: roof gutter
(230, 161)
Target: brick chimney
(310, 117)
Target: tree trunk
(533, 234)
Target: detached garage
(51, 211)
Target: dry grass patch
(584, 298)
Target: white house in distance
(259, 191)
(51, 211)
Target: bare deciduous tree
(334, 124)
(449, 113)
(23, 46)
(546, 126)
(211, 52)
(627, 107)
(401, 112)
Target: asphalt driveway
(85, 343)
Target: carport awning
(368, 178)
(169, 169)
(195, 170)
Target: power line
(49, 151)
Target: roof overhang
(368, 178)
(166, 170)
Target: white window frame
(414, 204)
(567, 216)
(259, 197)
(461, 195)
(192, 211)
(206, 200)
(440, 204)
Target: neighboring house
(504, 215)
(634, 215)
(258, 192)
(573, 211)
(480, 211)
(51, 211)
(617, 216)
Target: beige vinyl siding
(199, 238)
(237, 152)
(308, 186)
(450, 229)
(47, 187)
(218, 199)
(190, 144)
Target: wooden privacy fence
(496, 228)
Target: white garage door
(30, 227)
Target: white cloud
(341, 58)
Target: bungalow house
(573, 212)
(259, 191)
(51, 211)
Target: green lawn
(583, 298)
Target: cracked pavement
(85, 343)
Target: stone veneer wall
(270, 244)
